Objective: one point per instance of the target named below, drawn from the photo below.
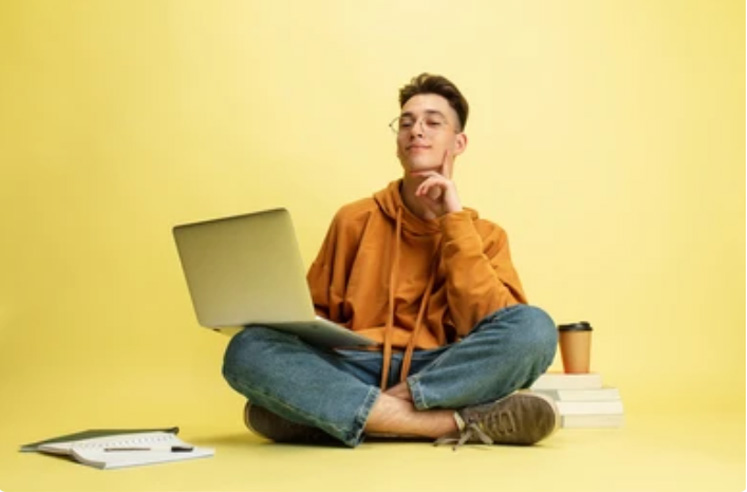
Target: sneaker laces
(502, 423)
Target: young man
(431, 282)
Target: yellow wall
(607, 137)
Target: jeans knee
(543, 329)
(242, 350)
(532, 330)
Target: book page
(107, 458)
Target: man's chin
(420, 166)
(424, 168)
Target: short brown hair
(426, 83)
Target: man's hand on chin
(438, 192)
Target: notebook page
(100, 458)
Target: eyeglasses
(430, 123)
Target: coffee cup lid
(580, 326)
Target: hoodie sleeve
(480, 277)
(328, 274)
(319, 276)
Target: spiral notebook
(124, 450)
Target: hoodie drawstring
(389, 331)
(407, 360)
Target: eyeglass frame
(431, 112)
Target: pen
(172, 449)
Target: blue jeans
(335, 390)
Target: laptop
(248, 270)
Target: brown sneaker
(276, 428)
(522, 418)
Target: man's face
(428, 130)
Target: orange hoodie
(411, 283)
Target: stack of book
(582, 399)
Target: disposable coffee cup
(575, 347)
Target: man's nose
(418, 128)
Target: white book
(592, 421)
(612, 407)
(557, 380)
(124, 450)
(600, 394)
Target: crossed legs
(337, 391)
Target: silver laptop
(247, 270)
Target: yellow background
(607, 137)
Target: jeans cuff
(418, 398)
(359, 423)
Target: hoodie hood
(390, 202)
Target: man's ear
(460, 144)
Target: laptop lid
(245, 269)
